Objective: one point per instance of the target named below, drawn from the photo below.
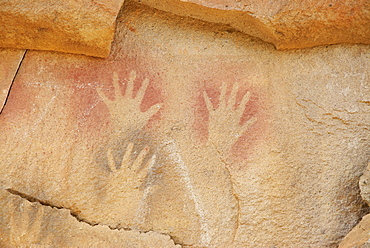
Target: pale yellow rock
(365, 185)
(30, 224)
(195, 131)
(84, 27)
(359, 236)
(9, 63)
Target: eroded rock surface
(84, 27)
(365, 185)
(30, 224)
(191, 130)
(285, 23)
(359, 236)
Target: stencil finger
(140, 158)
(117, 89)
(145, 170)
(127, 156)
(152, 110)
(142, 90)
(232, 99)
(243, 103)
(111, 163)
(209, 104)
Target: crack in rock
(11, 84)
(44, 203)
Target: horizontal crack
(29, 198)
(44, 203)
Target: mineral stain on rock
(206, 136)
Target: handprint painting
(125, 111)
(138, 142)
(190, 133)
(130, 140)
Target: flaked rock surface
(84, 27)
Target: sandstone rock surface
(194, 131)
(87, 27)
(285, 23)
(359, 236)
(84, 27)
(30, 224)
(365, 185)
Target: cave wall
(190, 133)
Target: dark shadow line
(11, 85)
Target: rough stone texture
(359, 236)
(196, 131)
(285, 23)
(84, 27)
(30, 224)
(365, 185)
(9, 63)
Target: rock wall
(190, 133)
(285, 23)
(84, 27)
(87, 27)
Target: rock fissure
(310, 101)
(46, 204)
(15, 75)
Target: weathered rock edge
(359, 236)
(83, 27)
(287, 24)
(87, 27)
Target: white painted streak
(143, 209)
(38, 121)
(182, 169)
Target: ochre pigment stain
(22, 96)
(254, 110)
(91, 110)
